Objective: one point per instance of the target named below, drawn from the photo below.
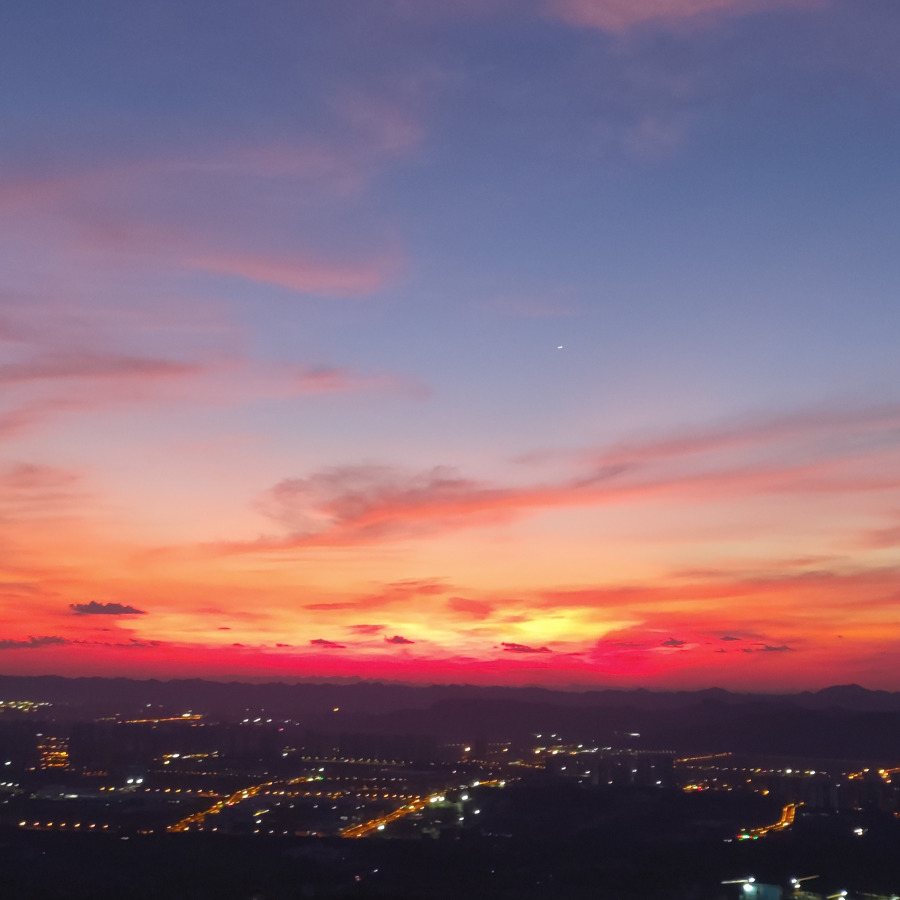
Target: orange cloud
(477, 609)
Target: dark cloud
(55, 641)
(105, 609)
(768, 648)
(673, 642)
(397, 639)
(134, 642)
(365, 629)
(523, 648)
(45, 641)
(224, 628)
(282, 645)
(331, 645)
(728, 637)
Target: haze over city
(548, 342)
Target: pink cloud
(297, 380)
(348, 504)
(881, 538)
(303, 275)
(135, 211)
(619, 15)
(121, 379)
(92, 365)
(417, 587)
(364, 504)
(61, 363)
(728, 587)
(801, 426)
(28, 490)
(399, 592)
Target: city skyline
(547, 342)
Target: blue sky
(535, 306)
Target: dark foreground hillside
(55, 866)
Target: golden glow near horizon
(285, 393)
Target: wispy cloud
(48, 382)
(366, 629)
(805, 454)
(476, 609)
(88, 365)
(30, 491)
(326, 644)
(306, 276)
(32, 643)
(620, 15)
(511, 647)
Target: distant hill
(377, 697)
(839, 721)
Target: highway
(788, 814)
(416, 805)
(366, 828)
(198, 818)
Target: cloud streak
(304, 276)
(33, 643)
(620, 15)
(511, 647)
(360, 504)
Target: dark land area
(193, 790)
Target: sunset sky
(491, 341)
